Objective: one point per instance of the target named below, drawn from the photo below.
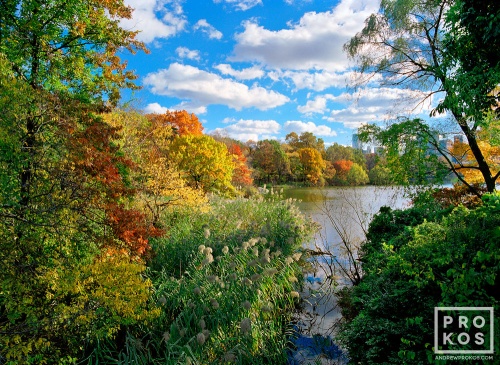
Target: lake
(343, 214)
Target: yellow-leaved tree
(147, 141)
(206, 163)
(313, 165)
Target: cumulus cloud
(184, 52)
(377, 104)
(208, 29)
(317, 105)
(300, 127)
(240, 4)
(204, 88)
(315, 42)
(254, 130)
(155, 19)
(244, 74)
(155, 108)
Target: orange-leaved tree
(181, 122)
(242, 175)
(342, 168)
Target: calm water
(344, 214)
(352, 208)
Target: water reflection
(344, 214)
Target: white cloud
(317, 81)
(245, 130)
(208, 29)
(315, 42)
(245, 74)
(155, 108)
(189, 107)
(155, 19)
(240, 4)
(300, 127)
(317, 105)
(204, 88)
(184, 52)
(377, 104)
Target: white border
(436, 328)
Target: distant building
(355, 142)
(458, 139)
(445, 144)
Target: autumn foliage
(242, 175)
(342, 167)
(181, 122)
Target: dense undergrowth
(416, 259)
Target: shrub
(413, 266)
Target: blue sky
(257, 69)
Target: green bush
(412, 266)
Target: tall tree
(63, 180)
(242, 175)
(305, 140)
(69, 49)
(313, 165)
(426, 45)
(270, 161)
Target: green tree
(427, 46)
(380, 175)
(409, 152)
(270, 161)
(337, 152)
(357, 175)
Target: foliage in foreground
(225, 282)
(415, 260)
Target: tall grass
(227, 282)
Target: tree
(342, 168)
(356, 175)
(380, 175)
(270, 161)
(410, 151)
(242, 175)
(313, 165)
(464, 161)
(338, 152)
(63, 180)
(181, 122)
(413, 44)
(305, 140)
(157, 180)
(206, 163)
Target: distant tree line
(303, 159)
